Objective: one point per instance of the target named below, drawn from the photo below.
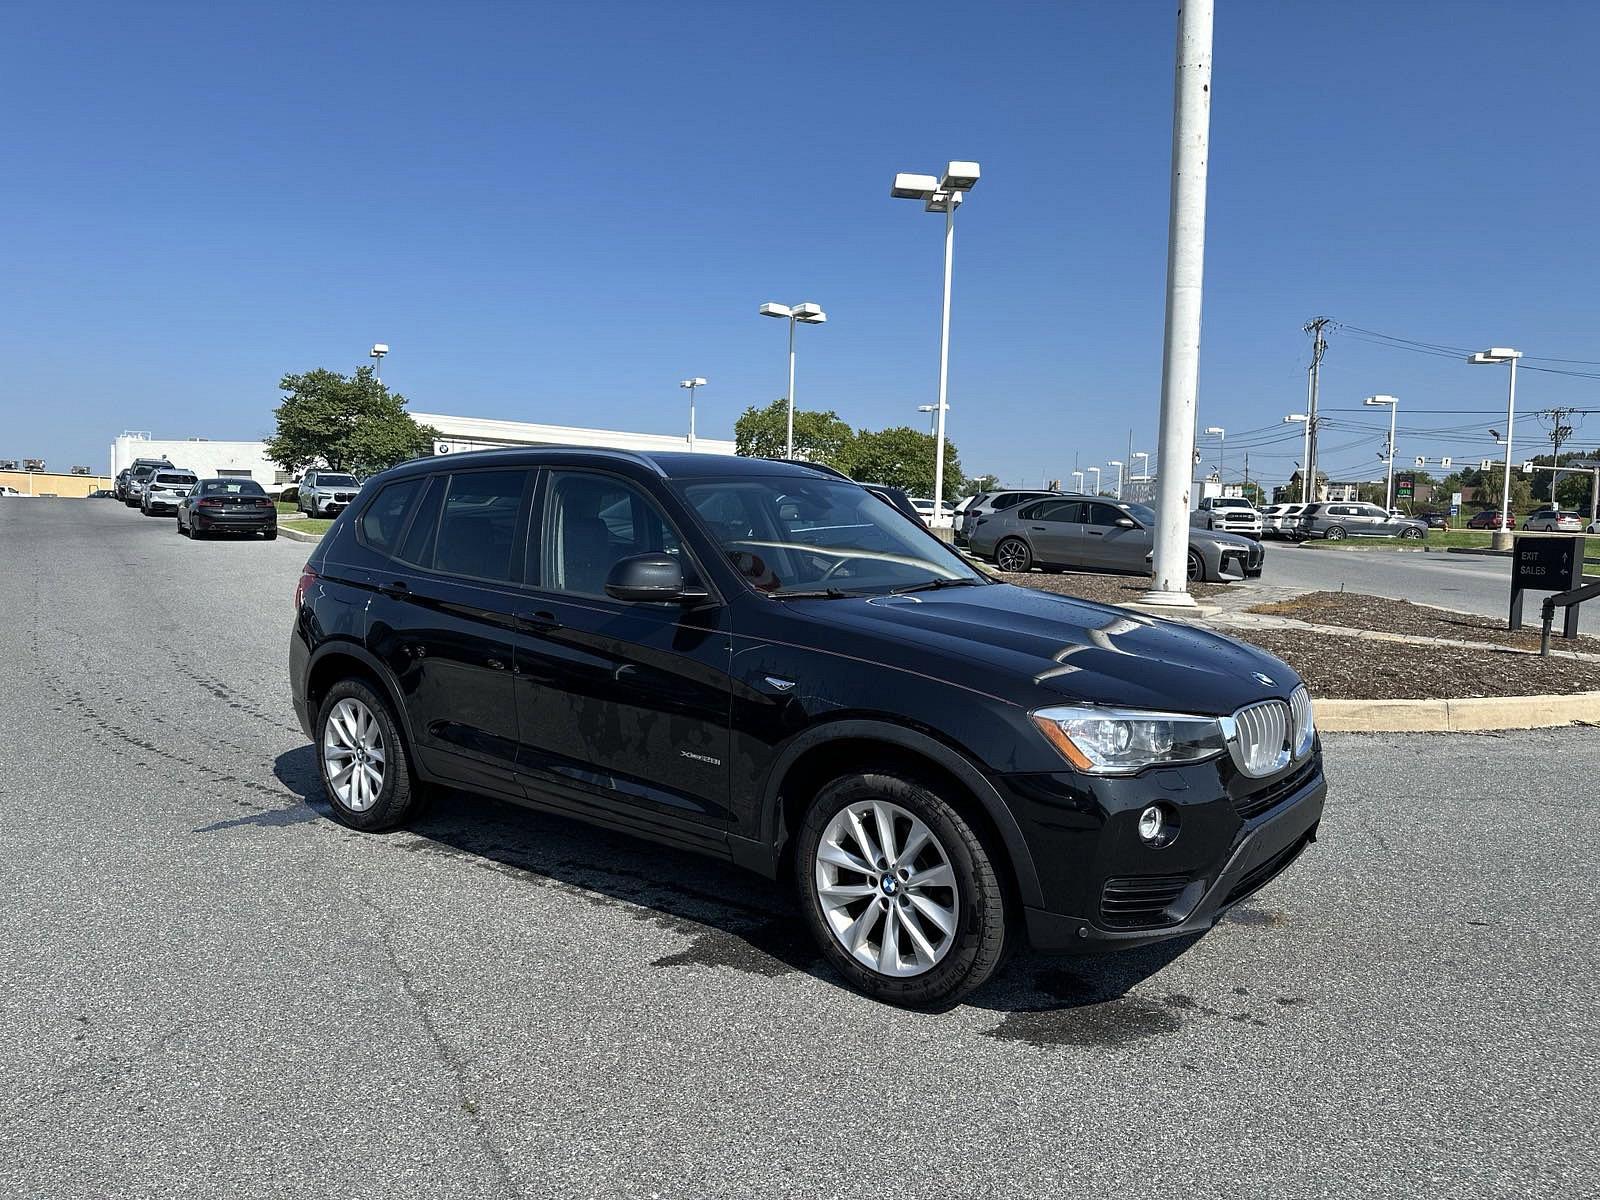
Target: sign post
(1541, 563)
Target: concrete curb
(298, 535)
(1456, 716)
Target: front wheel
(270, 535)
(1335, 533)
(1197, 567)
(1013, 554)
(1411, 535)
(899, 891)
(363, 763)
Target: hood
(1037, 648)
(1233, 540)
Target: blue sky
(554, 212)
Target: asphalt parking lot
(1468, 582)
(209, 988)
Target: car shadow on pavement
(730, 917)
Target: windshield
(786, 535)
(345, 481)
(1142, 514)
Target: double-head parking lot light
(691, 384)
(1393, 404)
(1493, 357)
(942, 195)
(796, 314)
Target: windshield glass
(786, 535)
(345, 481)
(1140, 513)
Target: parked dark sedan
(768, 664)
(228, 506)
(1434, 520)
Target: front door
(1109, 545)
(623, 708)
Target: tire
(270, 535)
(1197, 567)
(1411, 535)
(354, 723)
(1335, 533)
(959, 959)
(1013, 554)
(197, 534)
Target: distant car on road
(1489, 518)
(227, 506)
(326, 493)
(165, 490)
(1434, 520)
(985, 503)
(1335, 522)
(102, 494)
(1230, 514)
(1097, 534)
(1550, 520)
(9, 491)
(138, 475)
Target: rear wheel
(900, 891)
(364, 767)
(1335, 533)
(271, 535)
(1012, 554)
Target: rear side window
(1053, 510)
(385, 517)
(478, 524)
(423, 533)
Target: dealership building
(457, 435)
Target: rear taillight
(263, 502)
(308, 577)
(211, 504)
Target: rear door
(445, 599)
(623, 708)
(1054, 530)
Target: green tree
(819, 437)
(902, 457)
(1492, 482)
(978, 483)
(1575, 491)
(348, 423)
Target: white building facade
(457, 435)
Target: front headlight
(1116, 741)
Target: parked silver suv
(165, 490)
(326, 493)
(1335, 522)
(987, 503)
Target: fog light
(1153, 825)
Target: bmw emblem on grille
(1266, 679)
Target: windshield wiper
(934, 585)
(831, 593)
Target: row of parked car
(157, 487)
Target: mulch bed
(1355, 611)
(1103, 589)
(1352, 669)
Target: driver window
(592, 522)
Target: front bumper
(1084, 845)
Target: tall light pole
(941, 195)
(930, 409)
(1393, 403)
(1221, 434)
(1144, 473)
(377, 352)
(1494, 356)
(1186, 251)
(798, 314)
(691, 384)
(1305, 454)
(1078, 486)
(1095, 471)
(1118, 465)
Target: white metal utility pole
(1186, 246)
(1501, 538)
(1394, 409)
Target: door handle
(1037, 528)
(539, 622)
(394, 587)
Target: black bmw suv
(766, 663)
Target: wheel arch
(336, 660)
(828, 751)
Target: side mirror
(1126, 523)
(650, 578)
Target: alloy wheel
(1011, 555)
(353, 754)
(886, 888)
